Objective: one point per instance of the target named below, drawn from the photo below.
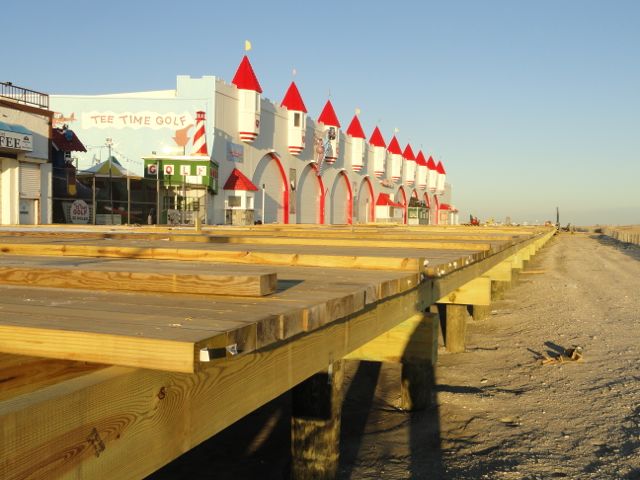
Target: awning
(385, 200)
(108, 169)
(15, 137)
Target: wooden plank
(126, 423)
(223, 256)
(257, 284)
(475, 292)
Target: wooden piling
(455, 327)
(315, 425)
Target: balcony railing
(24, 95)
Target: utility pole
(558, 218)
(109, 143)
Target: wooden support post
(498, 289)
(315, 425)
(455, 326)
(480, 312)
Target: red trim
(321, 200)
(285, 189)
(404, 203)
(372, 203)
(426, 200)
(349, 199)
(437, 219)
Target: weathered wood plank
(258, 284)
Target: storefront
(25, 179)
(185, 186)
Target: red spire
(328, 115)
(408, 153)
(292, 99)
(431, 164)
(440, 168)
(238, 181)
(420, 160)
(394, 146)
(355, 129)
(376, 139)
(245, 78)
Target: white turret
(395, 159)
(409, 165)
(357, 135)
(421, 171)
(442, 175)
(331, 131)
(249, 91)
(379, 148)
(296, 119)
(432, 175)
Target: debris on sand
(570, 355)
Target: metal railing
(24, 95)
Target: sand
(498, 413)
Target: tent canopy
(101, 170)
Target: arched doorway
(341, 200)
(427, 203)
(366, 202)
(271, 181)
(401, 197)
(311, 195)
(436, 210)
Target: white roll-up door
(29, 180)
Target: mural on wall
(138, 127)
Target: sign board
(16, 141)
(152, 169)
(169, 169)
(79, 212)
(201, 170)
(185, 170)
(235, 152)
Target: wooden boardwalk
(122, 348)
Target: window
(234, 201)
(296, 119)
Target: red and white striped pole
(199, 138)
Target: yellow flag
(247, 45)
(357, 111)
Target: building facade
(25, 145)
(297, 168)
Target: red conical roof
(376, 139)
(292, 99)
(238, 181)
(420, 160)
(245, 78)
(355, 129)
(394, 146)
(431, 164)
(440, 168)
(408, 153)
(328, 115)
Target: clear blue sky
(530, 105)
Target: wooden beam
(219, 283)
(501, 272)
(315, 425)
(475, 292)
(253, 257)
(414, 339)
